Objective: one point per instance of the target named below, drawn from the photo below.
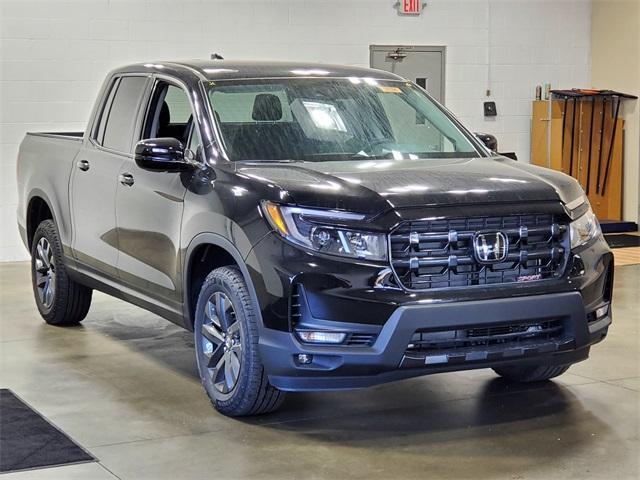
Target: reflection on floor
(626, 256)
(124, 386)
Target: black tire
(531, 373)
(68, 302)
(226, 327)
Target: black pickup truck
(316, 227)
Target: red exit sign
(410, 7)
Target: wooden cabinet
(582, 138)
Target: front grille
(490, 337)
(438, 253)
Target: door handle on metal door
(126, 179)
(83, 165)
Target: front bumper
(341, 297)
(388, 359)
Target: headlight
(584, 229)
(309, 228)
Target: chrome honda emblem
(490, 247)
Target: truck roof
(230, 70)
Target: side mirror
(489, 141)
(161, 154)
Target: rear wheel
(60, 300)
(226, 340)
(531, 373)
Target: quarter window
(99, 132)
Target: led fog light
(305, 359)
(321, 337)
(602, 311)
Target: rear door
(95, 177)
(149, 204)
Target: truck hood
(374, 186)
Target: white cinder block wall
(54, 55)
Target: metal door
(422, 65)
(149, 205)
(95, 177)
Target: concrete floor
(124, 386)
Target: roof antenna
(215, 56)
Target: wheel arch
(213, 251)
(39, 208)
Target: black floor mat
(622, 241)
(27, 440)
(617, 226)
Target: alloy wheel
(45, 270)
(221, 343)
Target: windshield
(332, 119)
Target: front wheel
(531, 373)
(226, 340)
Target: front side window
(333, 119)
(169, 113)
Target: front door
(422, 65)
(149, 204)
(95, 176)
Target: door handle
(126, 179)
(83, 165)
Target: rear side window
(120, 114)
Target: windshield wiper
(360, 156)
(272, 160)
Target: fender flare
(224, 243)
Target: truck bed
(45, 163)
(75, 136)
